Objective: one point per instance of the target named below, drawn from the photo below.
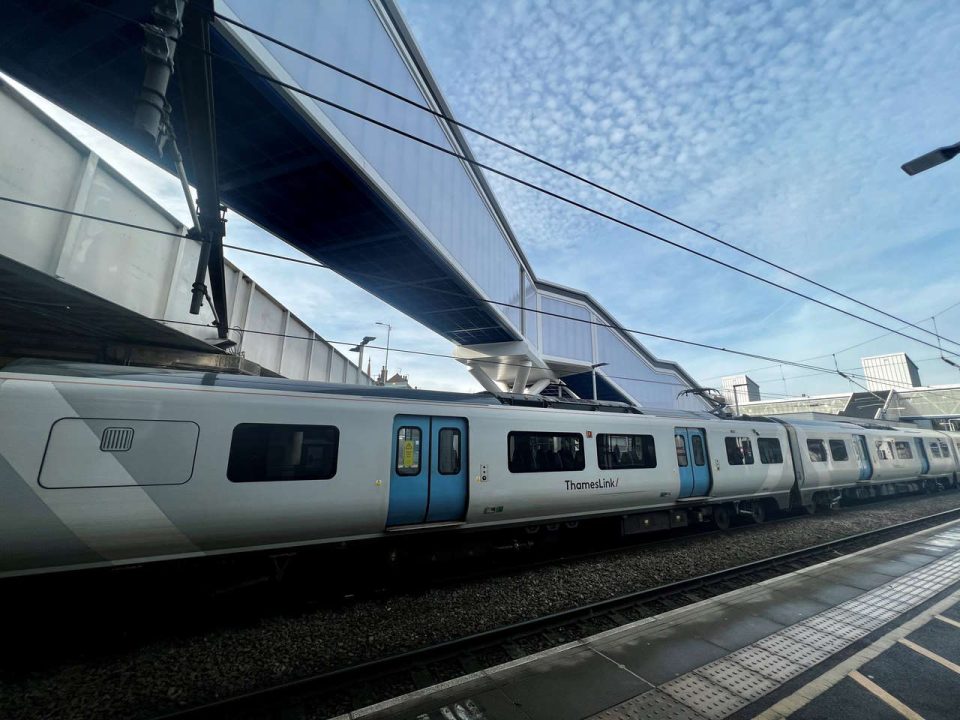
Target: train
(110, 465)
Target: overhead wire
(817, 370)
(513, 178)
(558, 168)
(838, 352)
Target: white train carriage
(103, 465)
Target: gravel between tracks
(186, 671)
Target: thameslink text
(592, 484)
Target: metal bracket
(196, 92)
(159, 46)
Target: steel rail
(280, 698)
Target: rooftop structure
(894, 371)
(739, 389)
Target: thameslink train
(108, 465)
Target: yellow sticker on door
(408, 456)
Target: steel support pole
(196, 90)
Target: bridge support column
(489, 384)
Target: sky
(777, 126)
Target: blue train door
(863, 458)
(692, 461)
(922, 452)
(428, 477)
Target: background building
(895, 371)
(739, 389)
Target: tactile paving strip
(707, 698)
(737, 679)
(793, 650)
(763, 662)
(722, 687)
(652, 705)
(837, 626)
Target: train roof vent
(116, 439)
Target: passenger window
(739, 450)
(770, 451)
(881, 450)
(408, 451)
(903, 450)
(681, 450)
(265, 453)
(529, 452)
(838, 450)
(621, 452)
(944, 449)
(935, 449)
(699, 456)
(817, 451)
(448, 456)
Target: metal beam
(195, 73)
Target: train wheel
(721, 517)
(758, 512)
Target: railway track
(337, 691)
(608, 548)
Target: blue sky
(778, 126)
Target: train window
(283, 452)
(681, 444)
(944, 449)
(448, 457)
(935, 448)
(882, 450)
(770, 451)
(544, 452)
(838, 450)
(739, 451)
(408, 451)
(903, 450)
(699, 456)
(817, 450)
(622, 452)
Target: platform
(874, 634)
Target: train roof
(131, 373)
(258, 382)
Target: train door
(692, 461)
(428, 477)
(922, 454)
(863, 457)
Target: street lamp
(931, 159)
(386, 359)
(593, 374)
(359, 348)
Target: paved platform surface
(874, 634)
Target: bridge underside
(415, 227)
(276, 168)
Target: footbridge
(416, 227)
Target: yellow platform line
(882, 694)
(932, 655)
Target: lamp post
(358, 348)
(386, 359)
(931, 159)
(593, 375)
